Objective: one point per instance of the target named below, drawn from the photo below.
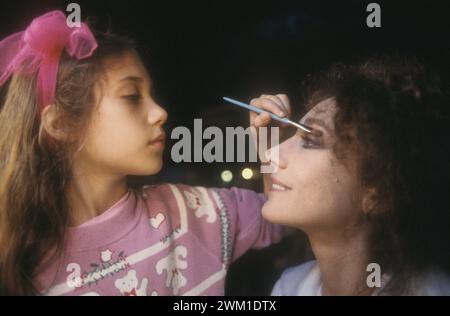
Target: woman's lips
(278, 186)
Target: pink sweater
(161, 240)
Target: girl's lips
(160, 138)
(157, 144)
(278, 186)
(158, 141)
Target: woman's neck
(90, 194)
(342, 257)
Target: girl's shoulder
(303, 279)
(227, 221)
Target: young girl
(77, 116)
(370, 189)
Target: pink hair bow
(39, 48)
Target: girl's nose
(157, 115)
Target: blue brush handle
(275, 117)
(256, 109)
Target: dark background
(199, 51)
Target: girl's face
(126, 134)
(314, 191)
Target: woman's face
(310, 189)
(126, 134)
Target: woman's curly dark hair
(394, 116)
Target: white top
(305, 280)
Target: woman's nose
(157, 115)
(275, 155)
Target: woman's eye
(309, 142)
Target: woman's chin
(277, 212)
(272, 212)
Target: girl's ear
(52, 124)
(369, 200)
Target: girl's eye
(134, 98)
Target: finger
(269, 105)
(262, 119)
(285, 107)
(254, 103)
(274, 98)
(284, 98)
(285, 101)
(281, 100)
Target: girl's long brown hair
(35, 169)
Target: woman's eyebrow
(321, 123)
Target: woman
(370, 185)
